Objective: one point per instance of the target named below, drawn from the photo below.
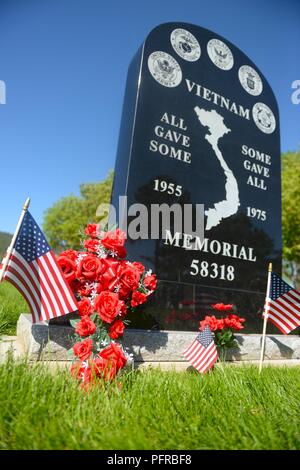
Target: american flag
(283, 305)
(202, 353)
(33, 270)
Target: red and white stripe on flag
(202, 353)
(284, 312)
(283, 305)
(42, 284)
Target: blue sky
(64, 63)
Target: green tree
(5, 239)
(64, 220)
(291, 213)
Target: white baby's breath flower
(101, 253)
(94, 292)
(80, 257)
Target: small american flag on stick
(31, 267)
(282, 305)
(202, 353)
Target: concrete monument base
(41, 342)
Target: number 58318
(212, 270)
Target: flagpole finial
(26, 204)
(270, 267)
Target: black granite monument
(200, 125)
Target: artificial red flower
(89, 267)
(139, 266)
(114, 353)
(92, 245)
(123, 311)
(109, 286)
(211, 321)
(84, 349)
(117, 329)
(129, 278)
(150, 282)
(85, 307)
(68, 266)
(222, 307)
(234, 322)
(104, 368)
(108, 305)
(92, 230)
(84, 289)
(82, 372)
(110, 277)
(72, 254)
(85, 327)
(138, 298)
(114, 241)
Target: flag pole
(263, 344)
(13, 240)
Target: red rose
(75, 286)
(114, 241)
(138, 298)
(68, 266)
(123, 311)
(82, 372)
(114, 353)
(85, 307)
(116, 329)
(139, 266)
(129, 279)
(92, 230)
(222, 307)
(104, 368)
(85, 327)
(150, 282)
(72, 254)
(85, 288)
(91, 245)
(89, 267)
(84, 349)
(108, 305)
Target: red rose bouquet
(224, 327)
(107, 287)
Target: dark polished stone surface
(200, 115)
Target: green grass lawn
(230, 408)
(12, 305)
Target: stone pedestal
(43, 342)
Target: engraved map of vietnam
(217, 129)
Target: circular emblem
(220, 54)
(264, 118)
(250, 80)
(165, 69)
(185, 44)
